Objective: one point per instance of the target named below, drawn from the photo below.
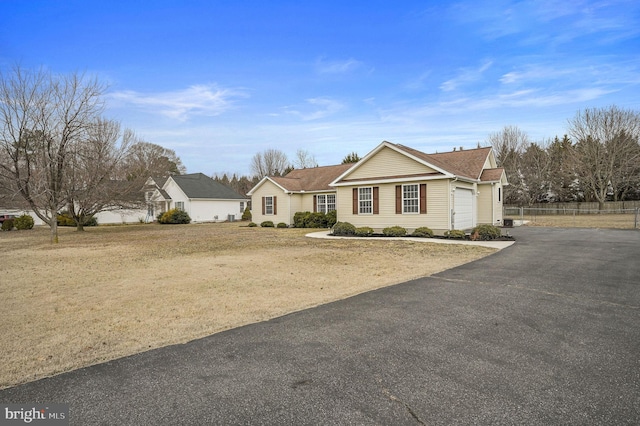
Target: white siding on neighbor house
(176, 195)
(388, 162)
(122, 216)
(436, 218)
(283, 204)
(213, 210)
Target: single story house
(278, 198)
(392, 185)
(204, 199)
(398, 185)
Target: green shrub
(485, 233)
(344, 228)
(65, 219)
(394, 231)
(365, 231)
(246, 215)
(423, 231)
(332, 218)
(174, 216)
(282, 225)
(23, 222)
(252, 225)
(314, 220)
(7, 225)
(455, 234)
(267, 224)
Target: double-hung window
(180, 205)
(325, 203)
(410, 199)
(268, 205)
(365, 200)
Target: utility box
(507, 223)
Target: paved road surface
(546, 331)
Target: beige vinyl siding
(437, 217)
(388, 162)
(269, 189)
(489, 208)
(485, 204)
(307, 203)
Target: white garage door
(463, 208)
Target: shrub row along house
(393, 185)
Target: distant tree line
(598, 160)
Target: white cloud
(337, 67)
(203, 100)
(321, 108)
(465, 76)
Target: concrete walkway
(492, 244)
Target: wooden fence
(578, 208)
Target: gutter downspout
(452, 220)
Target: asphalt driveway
(546, 331)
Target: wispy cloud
(316, 108)
(337, 67)
(203, 100)
(465, 76)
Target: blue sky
(218, 81)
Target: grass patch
(113, 291)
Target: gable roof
(306, 180)
(493, 175)
(465, 163)
(199, 185)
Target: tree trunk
(79, 226)
(54, 226)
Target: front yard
(113, 291)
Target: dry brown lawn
(113, 291)
(619, 221)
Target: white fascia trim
(262, 181)
(386, 144)
(395, 180)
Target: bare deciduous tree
(305, 160)
(271, 162)
(42, 117)
(606, 155)
(95, 164)
(509, 144)
(147, 159)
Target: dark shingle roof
(311, 179)
(199, 185)
(467, 163)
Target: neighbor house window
(268, 205)
(365, 200)
(180, 205)
(499, 194)
(410, 199)
(241, 206)
(325, 203)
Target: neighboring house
(277, 198)
(392, 185)
(204, 199)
